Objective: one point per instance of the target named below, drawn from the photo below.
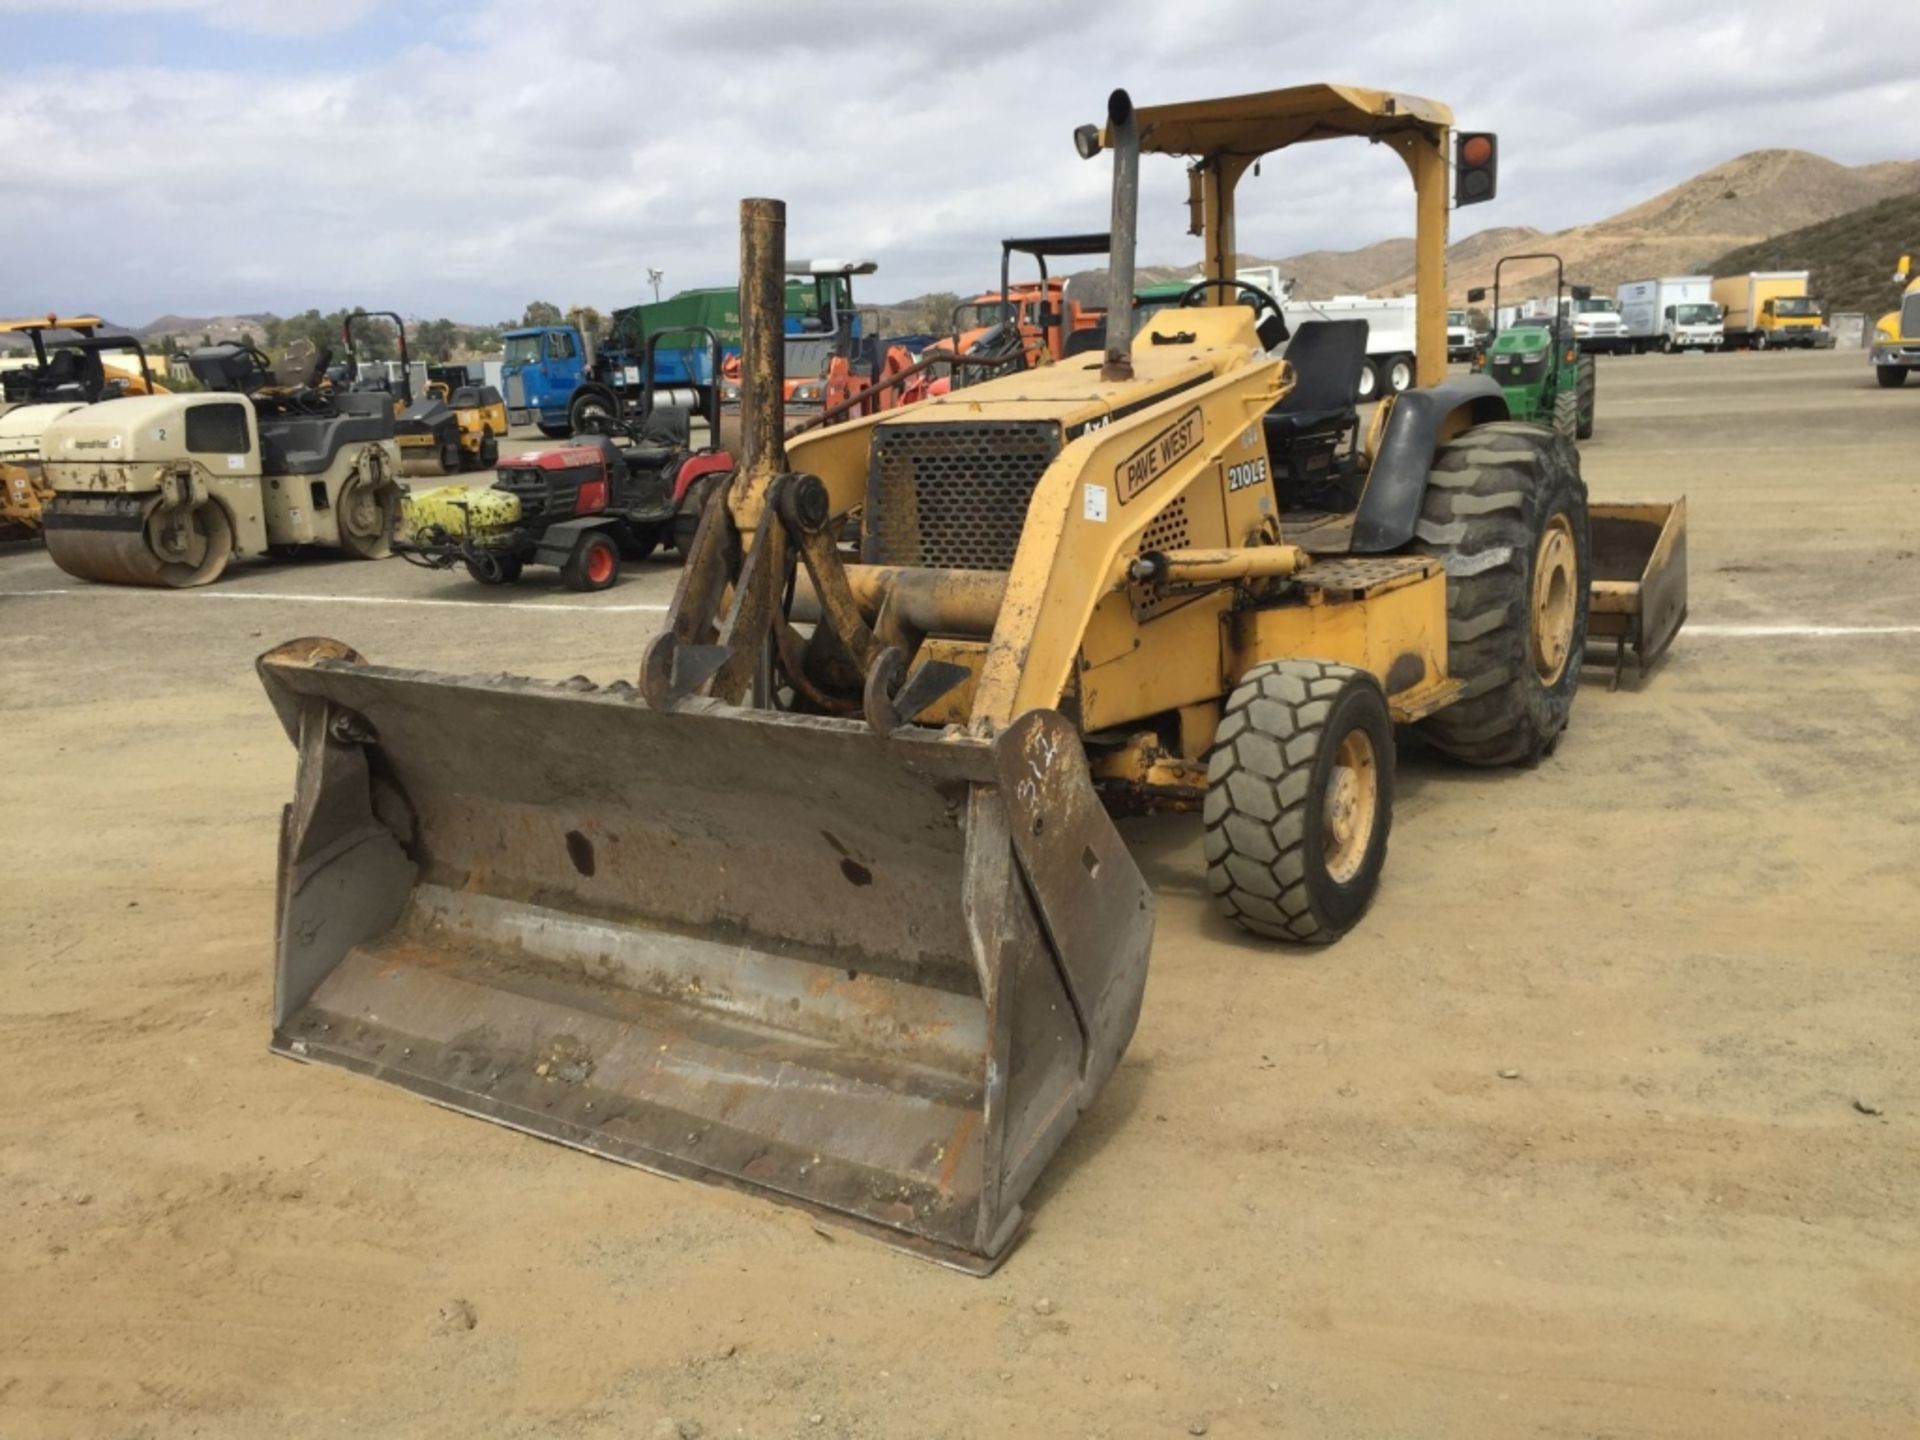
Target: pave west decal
(1158, 455)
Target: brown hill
(1747, 199)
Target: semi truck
(1770, 310)
(1895, 352)
(1671, 313)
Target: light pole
(655, 276)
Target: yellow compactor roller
(166, 489)
(828, 905)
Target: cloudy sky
(221, 156)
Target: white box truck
(1671, 313)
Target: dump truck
(830, 906)
(166, 490)
(1769, 310)
(1895, 351)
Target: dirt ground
(1309, 1204)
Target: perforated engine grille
(954, 496)
(1169, 529)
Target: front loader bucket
(1639, 577)
(878, 977)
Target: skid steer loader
(828, 906)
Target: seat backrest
(1327, 356)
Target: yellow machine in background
(480, 415)
(1896, 335)
(830, 908)
(63, 375)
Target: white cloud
(556, 151)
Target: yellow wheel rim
(1353, 799)
(1556, 597)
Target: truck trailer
(1671, 313)
(1769, 310)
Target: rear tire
(1300, 800)
(1369, 388)
(1891, 377)
(1506, 512)
(489, 451)
(1399, 375)
(594, 564)
(1589, 388)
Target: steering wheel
(256, 354)
(1262, 302)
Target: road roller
(167, 489)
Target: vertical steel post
(1123, 138)
(763, 309)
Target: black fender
(557, 541)
(1397, 484)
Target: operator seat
(1305, 428)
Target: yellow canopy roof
(51, 322)
(1252, 125)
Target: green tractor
(1537, 361)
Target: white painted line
(1812, 632)
(570, 607)
(533, 607)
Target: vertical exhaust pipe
(763, 317)
(1123, 138)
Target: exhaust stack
(1123, 138)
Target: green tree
(540, 312)
(436, 340)
(589, 321)
(935, 312)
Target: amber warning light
(1476, 158)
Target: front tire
(1506, 513)
(594, 564)
(1565, 419)
(592, 412)
(1300, 800)
(1891, 377)
(492, 569)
